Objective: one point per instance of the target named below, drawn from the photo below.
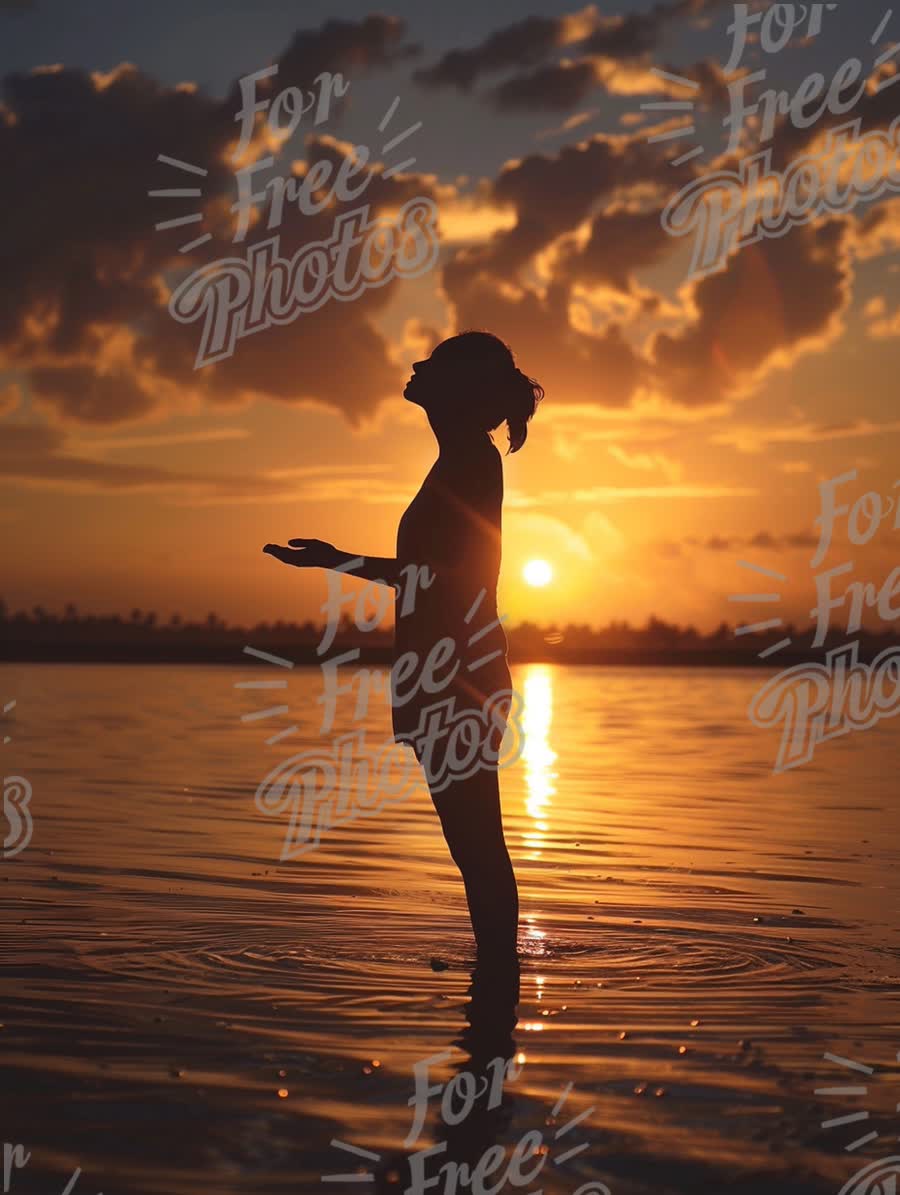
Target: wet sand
(182, 1011)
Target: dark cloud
(39, 455)
(80, 393)
(772, 300)
(88, 317)
(521, 44)
(334, 355)
(638, 33)
(621, 241)
(83, 149)
(558, 86)
(530, 42)
(763, 540)
(874, 110)
(375, 41)
(346, 46)
(553, 195)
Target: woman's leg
(469, 810)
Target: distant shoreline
(382, 657)
(40, 636)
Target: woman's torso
(452, 529)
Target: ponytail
(524, 395)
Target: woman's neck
(456, 439)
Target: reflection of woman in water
(467, 387)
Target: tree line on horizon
(41, 634)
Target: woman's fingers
(284, 554)
(304, 553)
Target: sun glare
(538, 573)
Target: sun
(537, 573)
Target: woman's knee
(474, 843)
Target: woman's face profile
(427, 381)
(435, 380)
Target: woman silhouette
(467, 387)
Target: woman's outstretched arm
(315, 553)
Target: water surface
(183, 1011)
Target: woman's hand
(315, 553)
(308, 553)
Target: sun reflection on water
(538, 756)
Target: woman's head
(471, 381)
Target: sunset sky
(687, 423)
